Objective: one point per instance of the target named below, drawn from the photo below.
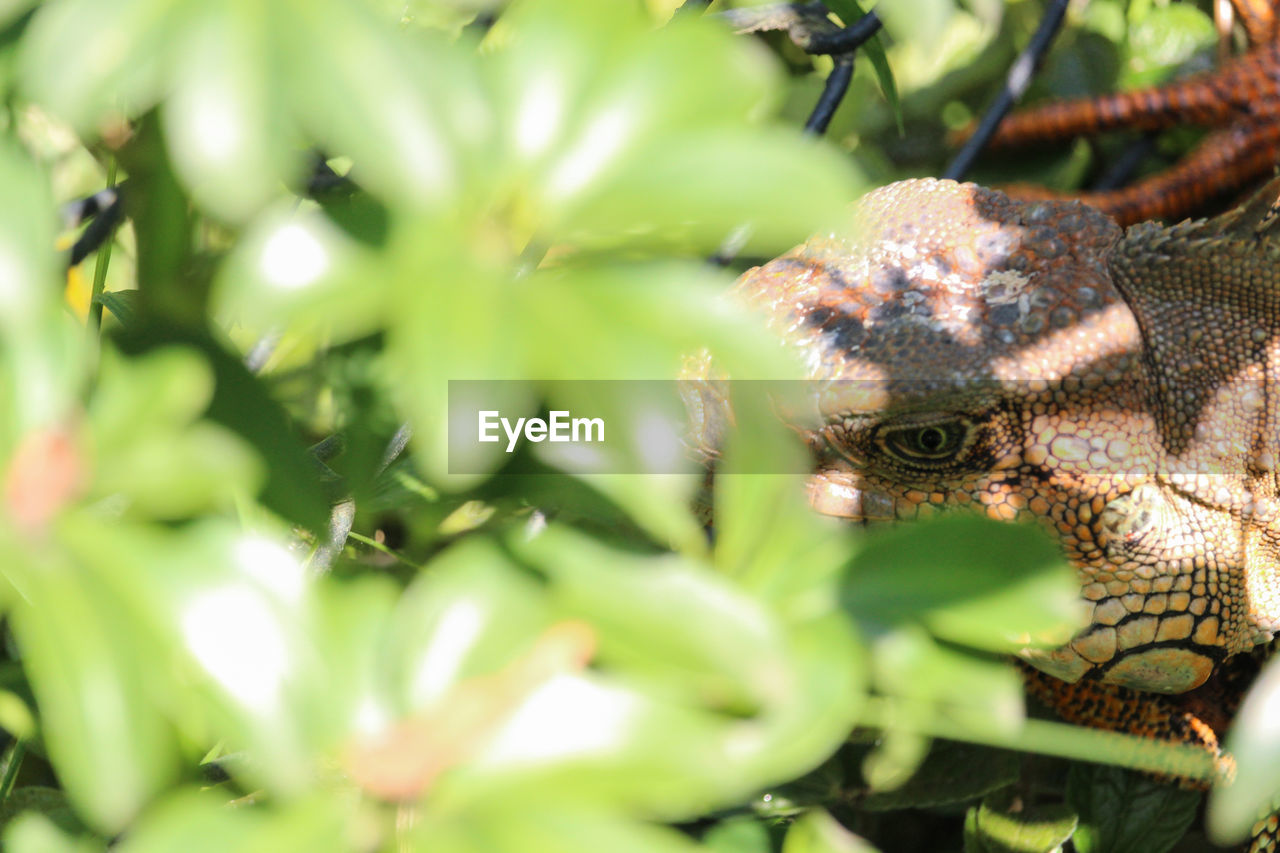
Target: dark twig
(844, 39)
(76, 212)
(832, 94)
(98, 232)
(808, 27)
(1015, 85)
(1119, 172)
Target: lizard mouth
(839, 493)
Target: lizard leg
(1227, 158)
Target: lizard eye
(931, 444)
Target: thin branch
(833, 93)
(844, 39)
(1015, 85)
(98, 232)
(75, 212)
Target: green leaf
(952, 773)
(689, 632)
(673, 195)
(1164, 38)
(121, 68)
(1122, 811)
(1254, 742)
(148, 449)
(86, 661)
(50, 802)
(399, 140)
(34, 833)
(41, 347)
(818, 832)
(226, 120)
(1004, 824)
(298, 270)
(468, 614)
(241, 403)
(199, 822)
(980, 692)
(744, 834)
(539, 824)
(121, 303)
(980, 583)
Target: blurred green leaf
(202, 823)
(1005, 824)
(980, 692)
(147, 448)
(1122, 811)
(1254, 742)
(41, 349)
(818, 832)
(951, 773)
(226, 120)
(34, 833)
(1164, 38)
(242, 404)
(49, 802)
(299, 270)
(743, 834)
(685, 631)
(86, 663)
(541, 826)
(1004, 586)
(469, 614)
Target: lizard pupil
(931, 439)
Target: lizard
(1034, 361)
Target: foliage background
(227, 629)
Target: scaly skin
(1031, 361)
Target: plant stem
(100, 266)
(10, 764)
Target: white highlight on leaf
(371, 717)
(422, 155)
(216, 128)
(539, 114)
(235, 636)
(601, 140)
(14, 281)
(568, 715)
(293, 257)
(270, 564)
(453, 637)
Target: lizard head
(976, 353)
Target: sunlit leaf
(226, 122)
(86, 662)
(1004, 586)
